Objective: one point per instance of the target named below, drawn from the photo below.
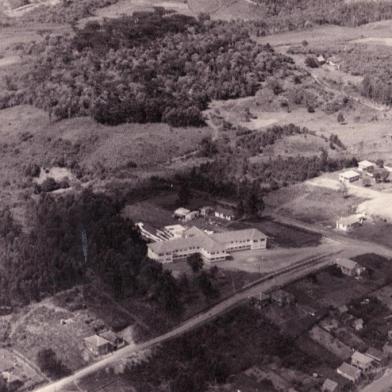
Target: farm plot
(46, 327)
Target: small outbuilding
(329, 386)
(349, 267)
(181, 213)
(349, 223)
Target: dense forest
(150, 67)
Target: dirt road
(276, 279)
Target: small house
(362, 362)
(349, 372)
(282, 298)
(98, 345)
(358, 324)
(224, 213)
(206, 211)
(349, 267)
(349, 176)
(181, 213)
(366, 166)
(349, 223)
(329, 386)
(376, 355)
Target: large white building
(213, 247)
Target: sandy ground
(378, 204)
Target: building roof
(181, 211)
(96, 341)
(349, 370)
(365, 164)
(329, 385)
(239, 235)
(346, 263)
(110, 336)
(224, 211)
(375, 354)
(211, 243)
(349, 174)
(351, 220)
(361, 358)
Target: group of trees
(210, 354)
(49, 363)
(149, 67)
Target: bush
(311, 62)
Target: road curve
(268, 282)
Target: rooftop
(329, 385)
(226, 211)
(194, 237)
(375, 354)
(351, 220)
(181, 211)
(365, 163)
(346, 263)
(96, 340)
(349, 370)
(361, 358)
(349, 174)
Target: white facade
(366, 165)
(349, 176)
(214, 247)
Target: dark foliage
(49, 363)
(147, 68)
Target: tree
(341, 118)
(196, 262)
(184, 194)
(49, 363)
(206, 286)
(311, 62)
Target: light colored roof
(349, 174)
(239, 235)
(225, 211)
(212, 243)
(193, 231)
(182, 211)
(329, 385)
(175, 228)
(361, 358)
(350, 220)
(365, 163)
(346, 263)
(349, 370)
(96, 340)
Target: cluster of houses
(361, 364)
(366, 170)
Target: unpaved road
(267, 283)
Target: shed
(181, 213)
(329, 386)
(349, 223)
(375, 354)
(366, 166)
